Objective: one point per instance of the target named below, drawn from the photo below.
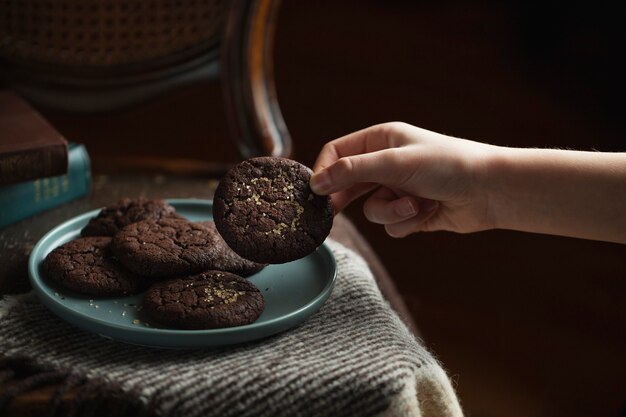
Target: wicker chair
(105, 54)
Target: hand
(422, 180)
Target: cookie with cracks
(266, 212)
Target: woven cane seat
(96, 36)
(90, 56)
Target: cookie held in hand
(266, 212)
(87, 266)
(209, 300)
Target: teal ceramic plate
(292, 292)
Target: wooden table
(16, 242)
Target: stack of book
(39, 170)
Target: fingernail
(320, 182)
(405, 208)
(394, 232)
(428, 205)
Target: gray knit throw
(353, 357)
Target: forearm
(569, 193)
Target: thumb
(384, 167)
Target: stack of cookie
(194, 277)
(264, 210)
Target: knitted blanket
(353, 357)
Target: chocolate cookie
(112, 219)
(165, 247)
(266, 212)
(225, 259)
(86, 265)
(208, 300)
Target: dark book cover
(22, 200)
(30, 147)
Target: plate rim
(42, 289)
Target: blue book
(22, 200)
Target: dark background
(526, 325)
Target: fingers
(346, 165)
(384, 167)
(371, 139)
(386, 207)
(401, 214)
(343, 198)
(427, 209)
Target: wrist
(499, 190)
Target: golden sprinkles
(221, 294)
(290, 198)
